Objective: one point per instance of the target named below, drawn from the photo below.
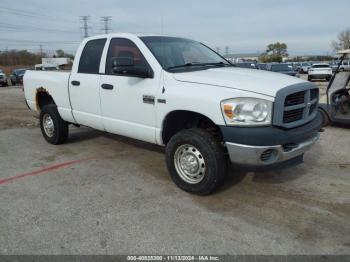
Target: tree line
(275, 52)
(26, 58)
(19, 57)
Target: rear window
(320, 66)
(91, 57)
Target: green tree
(274, 53)
(343, 41)
(60, 53)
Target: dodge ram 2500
(180, 94)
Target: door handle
(107, 86)
(75, 83)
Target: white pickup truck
(180, 94)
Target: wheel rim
(48, 125)
(189, 164)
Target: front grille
(293, 115)
(295, 99)
(296, 105)
(300, 104)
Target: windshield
(305, 64)
(281, 67)
(178, 53)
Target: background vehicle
(345, 66)
(296, 66)
(304, 67)
(335, 106)
(3, 79)
(261, 66)
(334, 65)
(250, 65)
(283, 68)
(17, 76)
(320, 71)
(180, 94)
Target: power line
(23, 27)
(29, 42)
(35, 15)
(106, 20)
(85, 26)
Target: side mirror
(125, 66)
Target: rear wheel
(196, 161)
(53, 127)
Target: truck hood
(251, 80)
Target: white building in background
(54, 63)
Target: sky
(307, 27)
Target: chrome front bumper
(267, 155)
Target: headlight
(247, 111)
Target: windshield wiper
(198, 64)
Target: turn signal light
(228, 111)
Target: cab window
(124, 49)
(91, 57)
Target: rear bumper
(320, 76)
(267, 146)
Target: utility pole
(85, 26)
(218, 50)
(106, 20)
(226, 50)
(41, 50)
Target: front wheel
(196, 161)
(53, 127)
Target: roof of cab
(120, 35)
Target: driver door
(128, 101)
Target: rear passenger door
(84, 86)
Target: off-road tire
(60, 126)
(212, 152)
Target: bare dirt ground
(13, 110)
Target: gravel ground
(117, 198)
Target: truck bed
(54, 83)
